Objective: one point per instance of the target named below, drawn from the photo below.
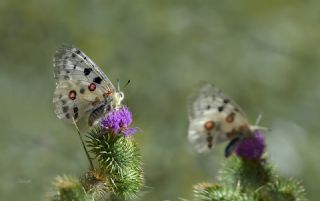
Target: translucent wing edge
(64, 50)
(205, 90)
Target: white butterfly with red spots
(82, 87)
(215, 118)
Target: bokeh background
(264, 54)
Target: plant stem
(84, 146)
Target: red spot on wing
(108, 93)
(92, 87)
(209, 125)
(230, 117)
(72, 94)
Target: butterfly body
(82, 89)
(215, 118)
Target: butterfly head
(118, 97)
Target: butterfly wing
(70, 63)
(213, 118)
(81, 85)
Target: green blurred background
(264, 54)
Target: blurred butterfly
(215, 118)
(82, 89)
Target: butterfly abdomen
(98, 113)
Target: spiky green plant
(119, 159)
(117, 174)
(116, 170)
(68, 188)
(247, 178)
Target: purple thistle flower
(118, 121)
(252, 148)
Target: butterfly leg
(83, 144)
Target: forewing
(209, 104)
(70, 63)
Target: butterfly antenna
(128, 82)
(256, 126)
(259, 119)
(83, 145)
(118, 81)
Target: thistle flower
(118, 121)
(252, 148)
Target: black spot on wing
(225, 101)
(82, 90)
(78, 51)
(65, 109)
(75, 109)
(97, 80)
(209, 140)
(221, 108)
(87, 71)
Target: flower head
(252, 148)
(118, 121)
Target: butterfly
(82, 88)
(215, 118)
